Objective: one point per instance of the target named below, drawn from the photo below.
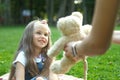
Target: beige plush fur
(70, 28)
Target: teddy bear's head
(70, 24)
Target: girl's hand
(39, 78)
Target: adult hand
(69, 52)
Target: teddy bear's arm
(86, 29)
(57, 47)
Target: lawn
(105, 67)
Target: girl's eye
(38, 32)
(46, 34)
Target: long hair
(26, 45)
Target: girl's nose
(42, 36)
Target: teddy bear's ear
(77, 14)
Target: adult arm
(103, 24)
(99, 39)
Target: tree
(5, 11)
(65, 8)
(88, 8)
(50, 11)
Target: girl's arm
(20, 71)
(53, 76)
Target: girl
(31, 59)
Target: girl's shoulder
(20, 58)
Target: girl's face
(40, 34)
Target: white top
(22, 59)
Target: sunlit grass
(104, 67)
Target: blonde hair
(26, 45)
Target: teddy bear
(71, 29)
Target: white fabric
(22, 59)
(38, 59)
(60, 77)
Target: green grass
(105, 67)
(9, 38)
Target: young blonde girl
(30, 59)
